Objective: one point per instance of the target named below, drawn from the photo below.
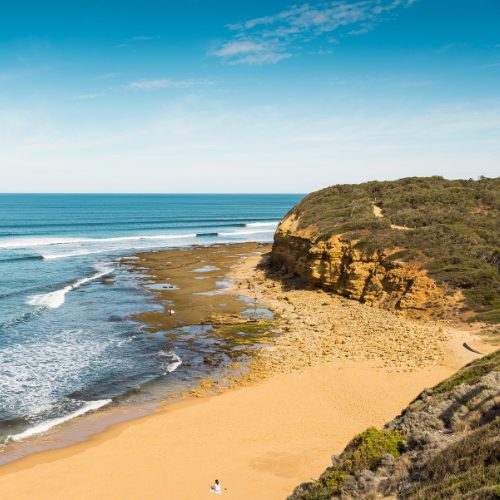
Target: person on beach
(216, 488)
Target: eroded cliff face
(335, 265)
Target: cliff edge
(423, 247)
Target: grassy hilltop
(452, 227)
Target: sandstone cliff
(336, 265)
(423, 246)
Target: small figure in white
(216, 488)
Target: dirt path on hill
(377, 211)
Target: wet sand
(260, 441)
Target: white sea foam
(56, 299)
(234, 233)
(261, 224)
(173, 366)
(176, 361)
(37, 242)
(45, 426)
(71, 254)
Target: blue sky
(196, 96)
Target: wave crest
(56, 299)
(48, 424)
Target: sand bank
(260, 441)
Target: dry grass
(460, 426)
(474, 419)
(477, 449)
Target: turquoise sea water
(67, 343)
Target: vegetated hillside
(444, 445)
(450, 227)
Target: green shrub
(363, 452)
(360, 244)
(323, 237)
(471, 372)
(488, 317)
(369, 447)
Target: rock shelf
(317, 326)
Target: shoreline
(82, 428)
(350, 393)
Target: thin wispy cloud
(167, 83)
(88, 96)
(248, 51)
(361, 31)
(145, 38)
(491, 65)
(446, 47)
(138, 39)
(109, 75)
(270, 39)
(416, 84)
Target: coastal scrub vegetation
(471, 372)
(452, 227)
(451, 450)
(363, 452)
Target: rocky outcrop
(335, 264)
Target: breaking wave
(37, 242)
(48, 424)
(56, 299)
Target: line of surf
(61, 241)
(56, 299)
(30, 257)
(262, 224)
(21, 319)
(45, 426)
(239, 233)
(122, 223)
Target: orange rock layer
(335, 265)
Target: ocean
(67, 343)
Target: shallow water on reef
(69, 343)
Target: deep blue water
(66, 342)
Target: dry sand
(259, 441)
